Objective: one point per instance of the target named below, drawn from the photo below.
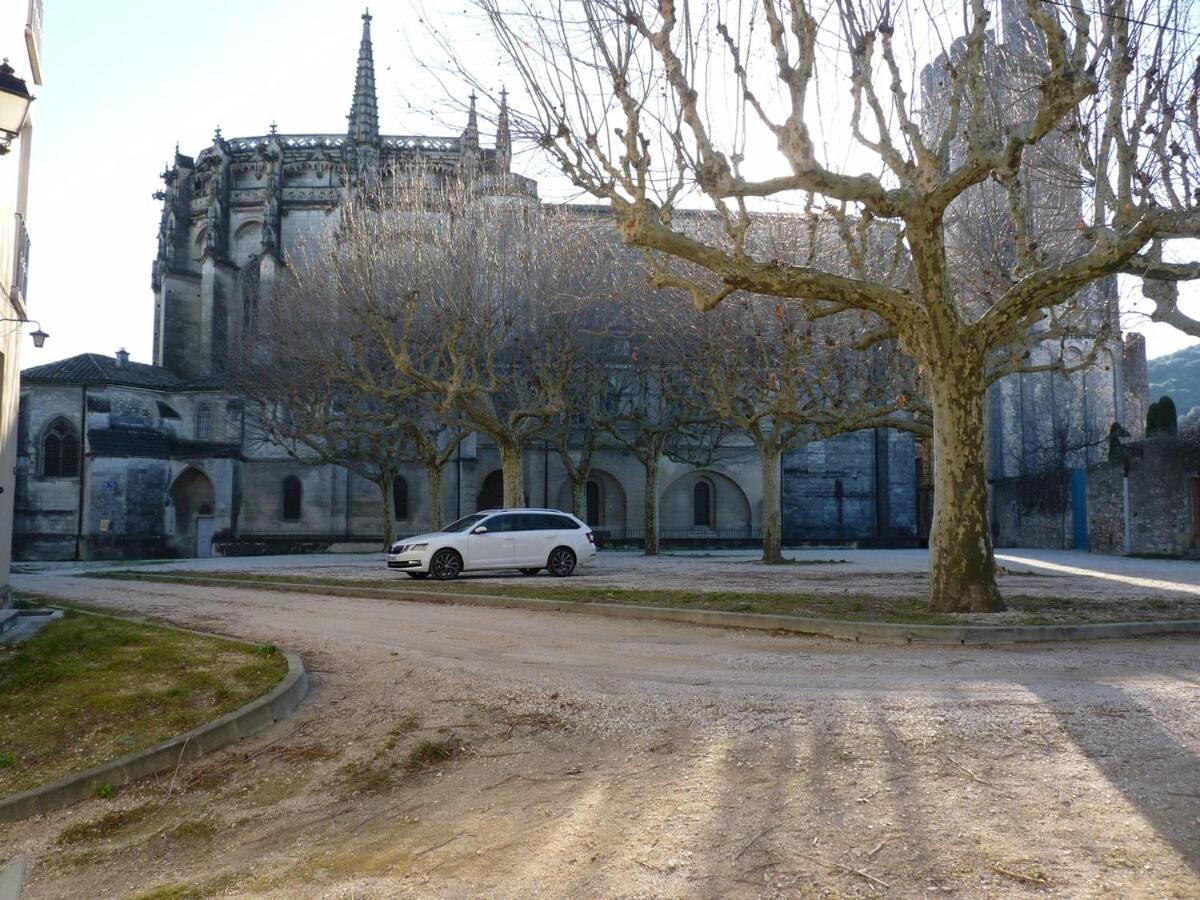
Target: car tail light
(591, 538)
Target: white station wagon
(525, 539)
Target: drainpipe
(82, 469)
(546, 474)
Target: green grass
(1023, 609)
(86, 689)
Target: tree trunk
(579, 495)
(962, 570)
(772, 516)
(384, 482)
(650, 506)
(511, 459)
(436, 512)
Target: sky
(127, 79)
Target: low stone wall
(1162, 517)
(1036, 511)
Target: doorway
(193, 498)
(491, 493)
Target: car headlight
(415, 547)
(396, 548)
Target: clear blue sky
(126, 79)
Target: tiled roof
(96, 368)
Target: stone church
(122, 459)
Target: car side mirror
(482, 529)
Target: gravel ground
(825, 572)
(600, 758)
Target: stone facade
(21, 29)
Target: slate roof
(97, 368)
(146, 443)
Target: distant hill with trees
(1178, 376)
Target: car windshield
(465, 524)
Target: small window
(60, 450)
(702, 505)
(293, 497)
(400, 497)
(203, 422)
(594, 506)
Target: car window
(464, 524)
(501, 524)
(563, 522)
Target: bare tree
(1082, 120)
(299, 404)
(651, 409)
(784, 381)
(467, 299)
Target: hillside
(1178, 375)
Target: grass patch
(106, 826)
(86, 689)
(1023, 609)
(431, 753)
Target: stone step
(8, 619)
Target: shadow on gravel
(1155, 773)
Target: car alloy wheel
(561, 562)
(445, 565)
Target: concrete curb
(12, 876)
(250, 719)
(874, 632)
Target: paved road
(1083, 759)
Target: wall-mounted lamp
(14, 106)
(39, 336)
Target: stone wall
(858, 487)
(1163, 520)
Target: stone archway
(193, 498)
(491, 492)
(704, 502)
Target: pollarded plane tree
(870, 111)
(468, 299)
(300, 401)
(650, 408)
(784, 381)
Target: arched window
(400, 497)
(203, 422)
(60, 450)
(593, 505)
(702, 505)
(293, 496)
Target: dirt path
(601, 758)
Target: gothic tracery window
(60, 450)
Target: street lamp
(39, 336)
(14, 105)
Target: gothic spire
(503, 135)
(471, 135)
(364, 110)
